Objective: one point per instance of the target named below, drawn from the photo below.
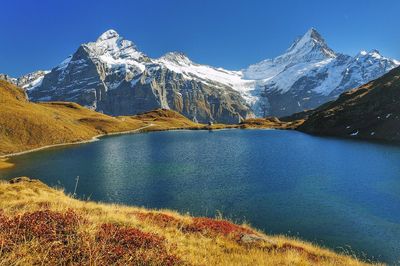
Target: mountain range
(111, 75)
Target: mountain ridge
(308, 74)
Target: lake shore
(4, 158)
(152, 127)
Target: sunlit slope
(40, 225)
(25, 125)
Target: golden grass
(25, 125)
(110, 233)
(4, 164)
(269, 122)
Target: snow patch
(355, 133)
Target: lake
(337, 193)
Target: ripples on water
(330, 191)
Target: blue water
(341, 194)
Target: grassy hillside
(270, 122)
(41, 225)
(25, 125)
(369, 112)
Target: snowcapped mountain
(309, 74)
(112, 76)
(27, 81)
(31, 80)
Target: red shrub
(48, 225)
(160, 219)
(130, 238)
(214, 227)
(119, 244)
(61, 243)
(56, 232)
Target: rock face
(371, 111)
(112, 76)
(309, 73)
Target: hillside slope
(25, 125)
(371, 111)
(40, 225)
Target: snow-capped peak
(110, 34)
(304, 53)
(371, 55)
(310, 46)
(376, 54)
(111, 44)
(117, 53)
(362, 53)
(176, 57)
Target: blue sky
(226, 33)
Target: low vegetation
(41, 225)
(270, 122)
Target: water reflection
(335, 192)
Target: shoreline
(4, 157)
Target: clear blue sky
(226, 33)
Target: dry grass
(269, 122)
(4, 164)
(40, 225)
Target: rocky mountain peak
(176, 57)
(310, 46)
(110, 34)
(113, 49)
(373, 53)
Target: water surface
(337, 193)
